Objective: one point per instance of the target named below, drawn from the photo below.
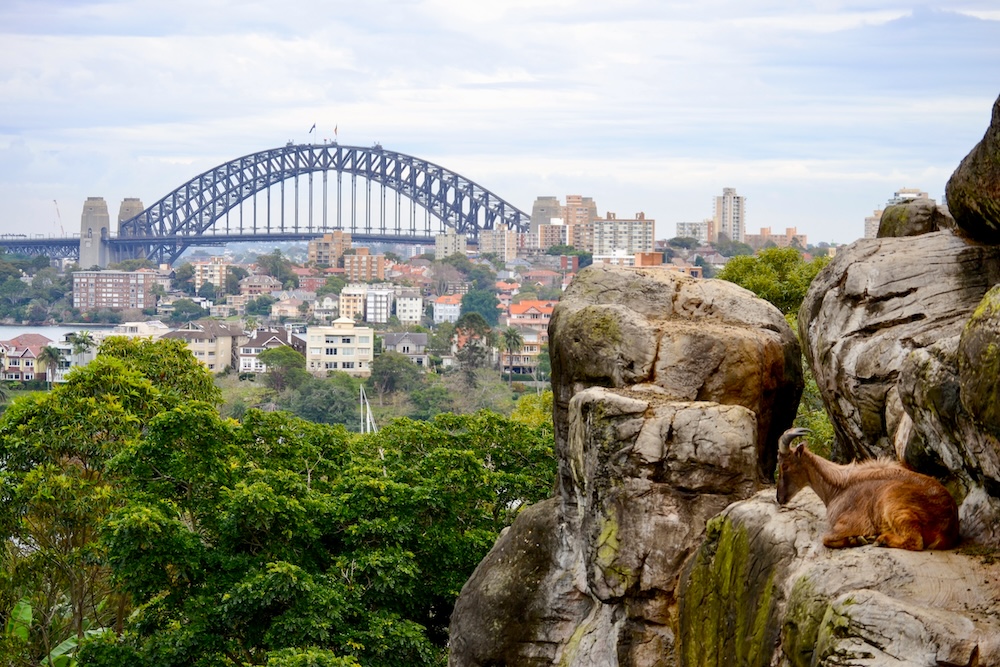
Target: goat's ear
(798, 448)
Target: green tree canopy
(779, 275)
(483, 302)
(286, 368)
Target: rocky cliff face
(670, 395)
(664, 544)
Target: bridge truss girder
(192, 209)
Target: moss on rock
(727, 601)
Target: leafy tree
(534, 410)
(483, 302)
(207, 291)
(281, 542)
(184, 278)
(391, 372)
(332, 400)
(728, 248)
(684, 242)
(55, 451)
(431, 398)
(278, 266)
(233, 277)
(439, 342)
(286, 368)
(261, 306)
(333, 285)
(133, 264)
(779, 275)
(186, 310)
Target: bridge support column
(95, 229)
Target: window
(331, 351)
(348, 364)
(346, 340)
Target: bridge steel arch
(166, 228)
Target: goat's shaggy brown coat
(879, 502)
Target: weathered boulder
(979, 363)
(762, 590)
(704, 340)
(589, 581)
(919, 216)
(877, 302)
(973, 191)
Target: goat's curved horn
(786, 438)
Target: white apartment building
(730, 215)
(342, 346)
(410, 307)
(612, 234)
(447, 308)
(695, 230)
(378, 304)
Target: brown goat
(879, 502)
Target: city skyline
(815, 114)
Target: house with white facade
(342, 346)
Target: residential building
(579, 215)
(213, 271)
(872, 223)
(328, 249)
(378, 304)
(265, 339)
(447, 308)
(789, 238)
(290, 307)
(629, 235)
(342, 346)
(410, 307)
(114, 290)
(904, 195)
(730, 216)
(412, 345)
(550, 234)
(696, 230)
(543, 211)
(364, 267)
(353, 300)
(213, 343)
(152, 329)
(327, 308)
(448, 244)
(502, 242)
(532, 314)
(255, 285)
(525, 360)
(18, 357)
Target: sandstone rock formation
(973, 191)
(690, 371)
(762, 590)
(704, 340)
(911, 218)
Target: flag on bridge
(312, 128)
(334, 130)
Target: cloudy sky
(816, 111)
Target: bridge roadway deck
(59, 246)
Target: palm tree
(82, 341)
(50, 357)
(511, 341)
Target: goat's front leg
(846, 533)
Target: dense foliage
(779, 275)
(139, 522)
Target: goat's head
(792, 475)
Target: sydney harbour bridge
(259, 198)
